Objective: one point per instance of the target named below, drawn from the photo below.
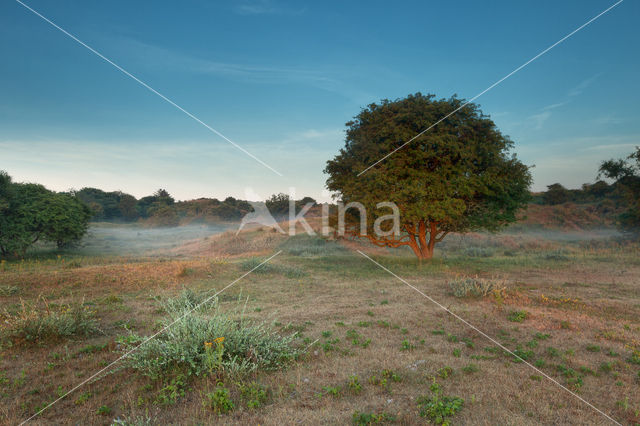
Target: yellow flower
(219, 340)
(207, 344)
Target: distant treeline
(158, 209)
(161, 209)
(597, 192)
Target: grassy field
(321, 335)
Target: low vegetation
(200, 339)
(437, 407)
(475, 287)
(341, 342)
(42, 322)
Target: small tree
(63, 219)
(32, 213)
(459, 176)
(556, 194)
(127, 206)
(163, 197)
(626, 173)
(278, 204)
(163, 215)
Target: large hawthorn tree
(459, 176)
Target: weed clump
(254, 393)
(219, 400)
(517, 316)
(354, 384)
(474, 287)
(36, 325)
(8, 290)
(439, 408)
(364, 419)
(200, 339)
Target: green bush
(474, 287)
(200, 339)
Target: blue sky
(281, 79)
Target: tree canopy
(626, 173)
(278, 204)
(556, 194)
(32, 213)
(459, 176)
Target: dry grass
(581, 322)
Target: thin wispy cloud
(584, 84)
(554, 106)
(330, 78)
(314, 134)
(538, 120)
(151, 55)
(265, 7)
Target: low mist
(112, 239)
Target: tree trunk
(422, 239)
(422, 247)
